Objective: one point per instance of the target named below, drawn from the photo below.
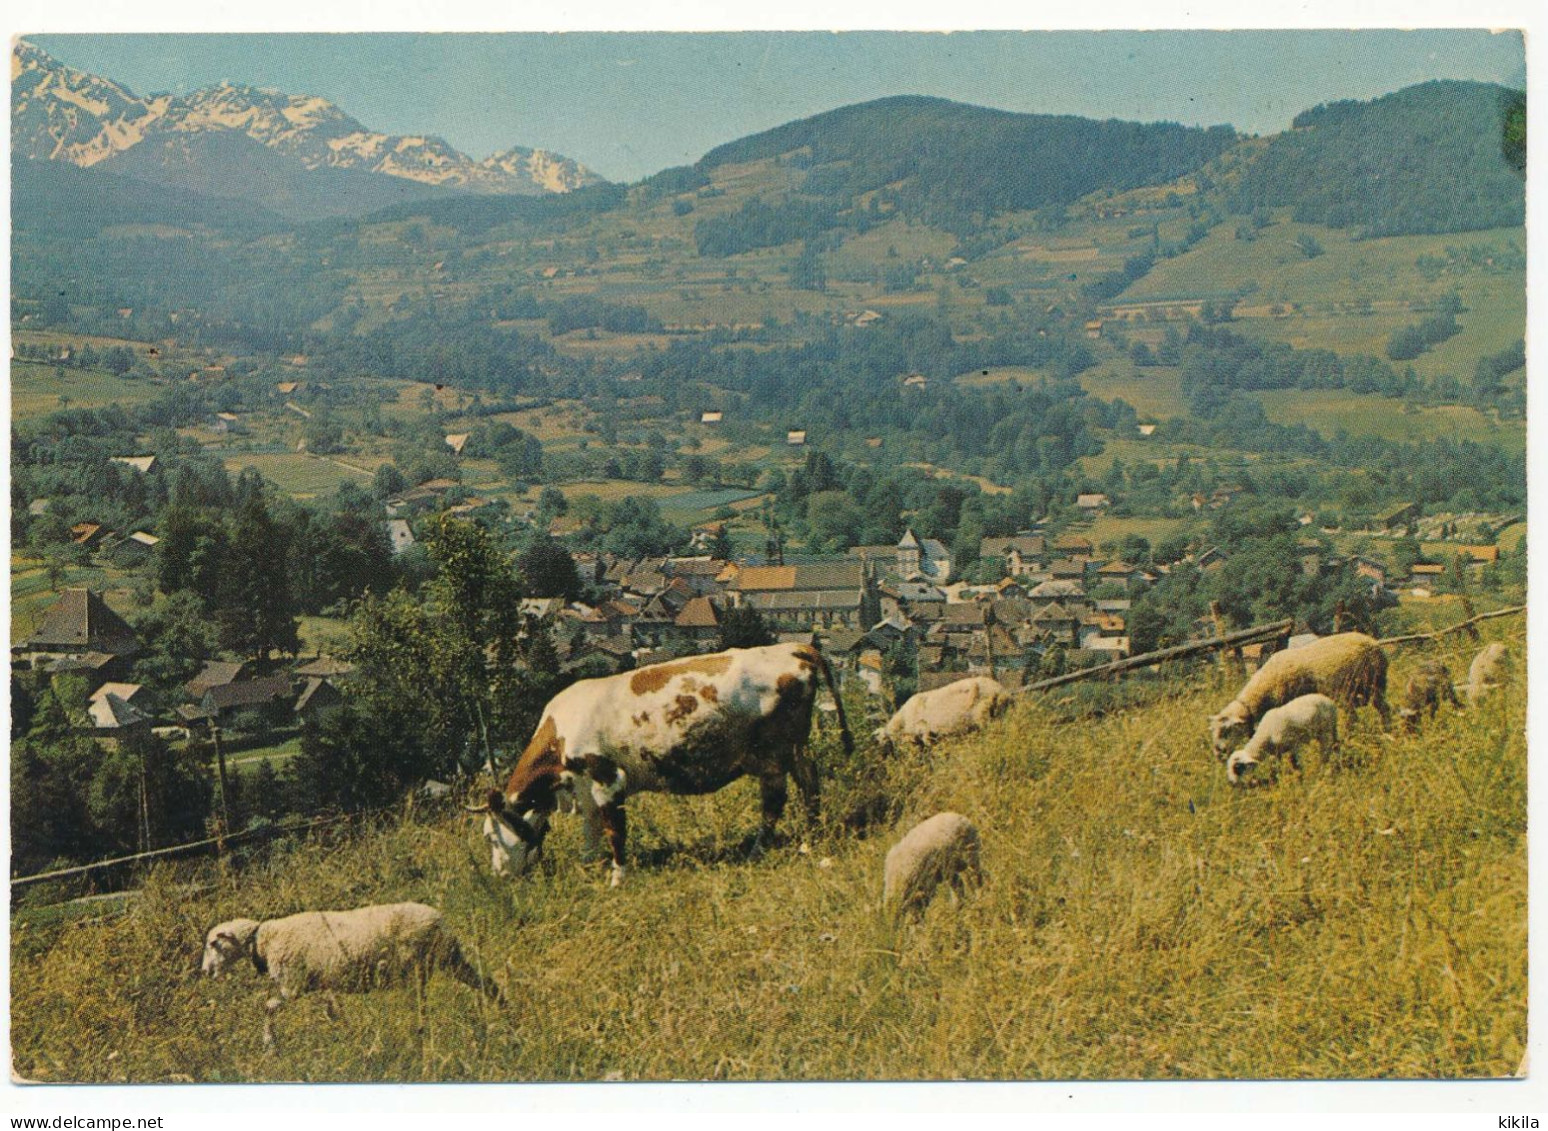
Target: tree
(547, 570)
(388, 481)
(253, 598)
(742, 626)
(440, 680)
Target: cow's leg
(804, 770)
(773, 793)
(609, 787)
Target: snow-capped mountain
(61, 114)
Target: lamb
(957, 708)
(1349, 667)
(347, 950)
(1426, 688)
(943, 849)
(1487, 671)
(1284, 730)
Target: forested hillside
(1431, 158)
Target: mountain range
(297, 155)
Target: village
(892, 618)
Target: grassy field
(1155, 393)
(305, 476)
(1328, 410)
(1364, 918)
(35, 391)
(1108, 528)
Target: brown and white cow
(689, 726)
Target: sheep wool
(1349, 667)
(943, 849)
(957, 708)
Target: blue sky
(630, 104)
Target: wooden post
(1220, 630)
(220, 765)
(1470, 627)
(1340, 614)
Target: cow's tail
(838, 700)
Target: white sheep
(344, 950)
(943, 849)
(1349, 667)
(957, 708)
(1487, 671)
(1284, 730)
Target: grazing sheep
(957, 708)
(1487, 671)
(1426, 688)
(346, 950)
(1284, 730)
(943, 849)
(1349, 667)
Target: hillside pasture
(300, 474)
(1328, 410)
(37, 391)
(1363, 918)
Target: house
(1067, 569)
(795, 437)
(916, 381)
(1094, 328)
(699, 622)
(317, 696)
(1073, 546)
(927, 557)
(867, 318)
(110, 708)
(827, 594)
(399, 534)
(1092, 502)
(325, 667)
(86, 533)
(227, 423)
(1058, 623)
(1425, 574)
(713, 416)
(78, 624)
(456, 441)
(1146, 430)
(271, 693)
(1398, 516)
(1022, 552)
(216, 673)
(287, 387)
(138, 463)
(1371, 568)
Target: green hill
(1138, 918)
(941, 160)
(1429, 158)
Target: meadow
(36, 390)
(1138, 918)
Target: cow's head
(515, 834)
(1230, 727)
(228, 944)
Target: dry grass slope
(1138, 918)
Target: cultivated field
(1139, 918)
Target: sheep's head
(1240, 767)
(228, 944)
(1229, 727)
